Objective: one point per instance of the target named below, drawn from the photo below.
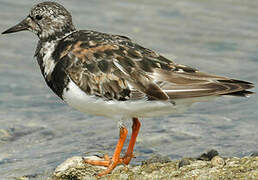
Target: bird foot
(108, 162)
(111, 163)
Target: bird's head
(48, 20)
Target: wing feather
(114, 67)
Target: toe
(97, 162)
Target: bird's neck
(54, 35)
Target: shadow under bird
(112, 76)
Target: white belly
(79, 100)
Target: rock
(156, 159)
(209, 155)
(254, 154)
(217, 161)
(217, 168)
(74, 167)
(184, 162)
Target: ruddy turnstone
(112, 76)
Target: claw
(111, 163)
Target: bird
(112, 76)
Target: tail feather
(190, 84)
(241, 84)
(243, 93)
(196, 84)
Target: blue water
(38, 131)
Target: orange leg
(135, 130)
(112, 163)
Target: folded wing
(115, 68)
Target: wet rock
(232, 168)
(254, 154)
(209, 155)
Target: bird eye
(38, 17)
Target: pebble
(217, 161)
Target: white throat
(48, 62)
(46, 51)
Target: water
(38, 131)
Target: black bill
(22, 26)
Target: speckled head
(49, 20)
